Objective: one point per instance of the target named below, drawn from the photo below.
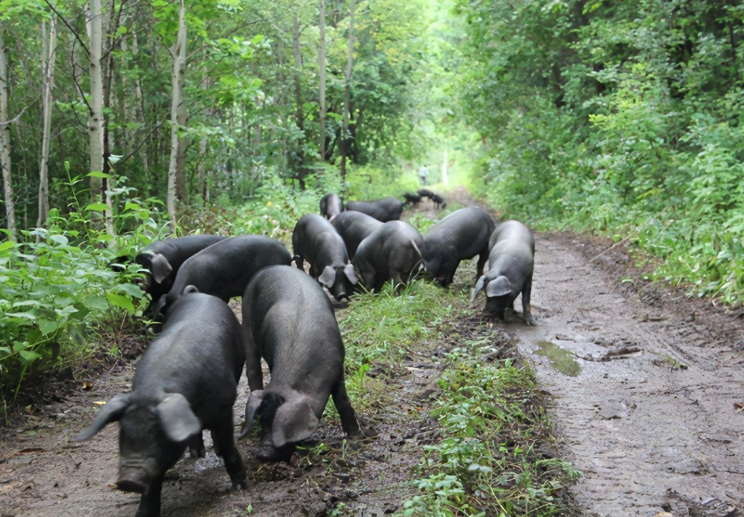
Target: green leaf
(59, 239)
(96, 174)
(25, 315)
(130, 289)
(98, 207)
(120, 300)
(29, 355)
(47, 326)
(7, 245)
(95, 302)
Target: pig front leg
(150, 501)
(343, 406)
(196, 446)
(482, 259)
(224, 446)
(252, 357)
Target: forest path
(647, 386)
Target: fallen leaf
(99, 402)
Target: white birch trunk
(95, 119)
(322, 81)
(179, 72)
(5, 140)
(47, 63)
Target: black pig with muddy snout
(315, 239)
(392, 251)
(224, 269)
(460, 236)
(331, 206)
(289, 321)
(511, 263)
(185, 382)
(162, 260)
(354, 227)
(384, 210)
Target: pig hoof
(240, 483)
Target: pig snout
(270, 453)
(135, 475)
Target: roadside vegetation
(621, 118)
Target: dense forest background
(130, 120)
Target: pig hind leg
(224, 446)
(343, 406)
(196, 446)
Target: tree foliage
(622, 117)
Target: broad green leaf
(95, 302)
(47, 326)
(96, 174)
(120, 300)
(98, 207)
(29, 355)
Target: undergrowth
(490, 459)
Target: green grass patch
(489, 460)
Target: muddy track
(647, 387)
(643, 386)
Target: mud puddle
(645, 399)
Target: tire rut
(650, 418)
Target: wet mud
(651, 411)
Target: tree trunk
(47, 64)
(299, 112)
(95, 31)
(343, 143)
(5, 140)
(322, 80)
(142, 118)
(179, 73)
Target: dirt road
(647, 386)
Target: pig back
(200, 354)
(464, 233)
(293, 325)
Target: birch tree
(322, 80)
(47, 66)
(344, 140)
(178, 52)
(5, 139)
(95, 119)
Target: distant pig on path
(460, 236)
(384, 210)
(391, 252)
(331, 205)
(289, 321)
(224, 270)
(186, 382)
(315, 239)
(510, 267)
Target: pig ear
(500, 286)
(294, 421)
(177, 419)
(327, 277)
(478, 287)
(190, 289)
(111, 412)
(254, 401)
(350, 274)
(161, 268)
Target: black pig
(459, 236)
(385, 209)
(392, 251)
(162, 259)
(186, 382)
(315, 239)
(354, 227)
(510, 267)
(224, 270)
(289, 321)
(330, 206)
